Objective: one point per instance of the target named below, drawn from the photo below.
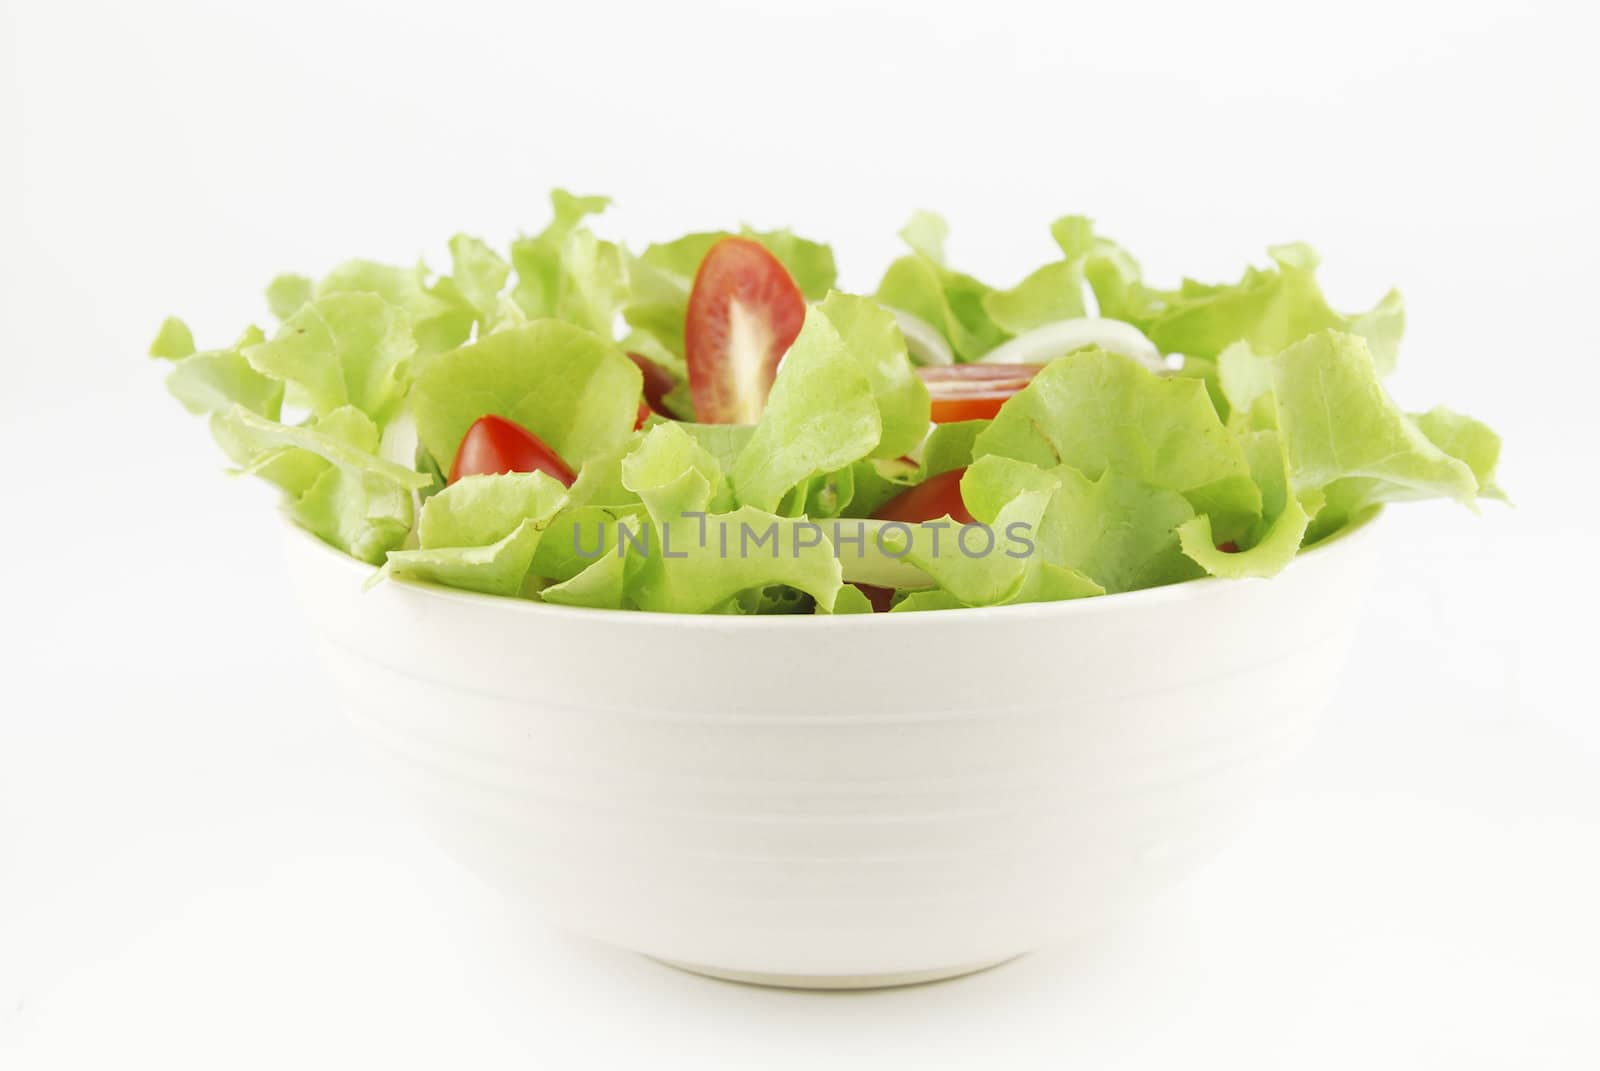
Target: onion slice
(923, 340)
(1044, 344)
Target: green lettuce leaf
(579, 536)
(820, 416)
(345, 438)
(173, 341)
(1057, 290)
(1467, 440)
(850, 600)
(698, 564)
(871, 336)
(477, 275)
(695, 555)
(286, 293)
(600, 585)
(925, 232)
(986, 563)
(215, 381)
(566, 273)
(593, 283)
(338, 488)
(541, 276)
(672, 474)
(1338, 422)
(725, 442)
(1098, 412)
(951, 302)
(347, 349)
(363, 516)
(1276, 537)
(950, 446)
(439, 319)
(1110, 270)
(1270, 310)
(481, 533)
(570, 387)
(1266, 558)
(1118, 532)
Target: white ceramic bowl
(837, 802)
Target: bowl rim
(1359, 532)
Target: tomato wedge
(744, 313)
(973, 391)
(880, 598)
(657, 382)
(494, 445)
(932, 498)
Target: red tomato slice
(645, 413)
(744, 313)
(880, 598)
(494, 445)
(657, 382)
(932, 498)
(973, 391)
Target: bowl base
(886, 980)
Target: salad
(710, 426)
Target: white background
(195, 868)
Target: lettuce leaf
(1469, 441)
(339, 489)
(696, 557)
(1118, 532)
(986, 563)
(173, 340)
(698, 564)
(347, 349)
(1097, 412)
(214, 381)
(672, 474)
(872, 337)
(1058, 290)
(1338, 422)
(286, 293)
(439, 320)
(477, 275)
(1270, 309)
(820, 416)
(600, 585)
(950, 301)
(570, 387)
(541, 275)
(481, 533)
(1276, 537)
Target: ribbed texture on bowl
(888, 796)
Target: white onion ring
(923, 340)
(1045, 344)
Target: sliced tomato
(935, 497)
(645, 413)
(973, 391)
(657, 382)
(880, 598)
(744, 313)
(494, 445)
